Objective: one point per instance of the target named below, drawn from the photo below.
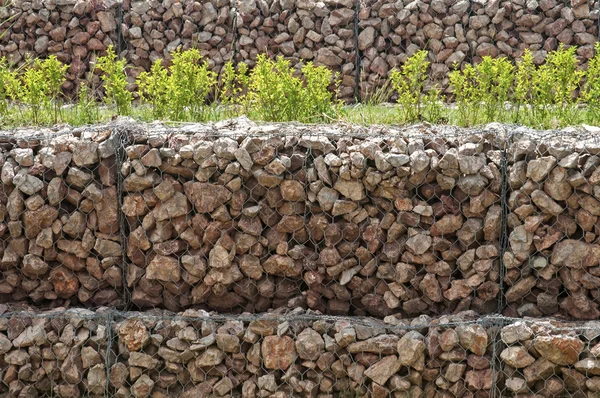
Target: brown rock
(164, 268)
(278, 352)
(134, 334)
(206, 197)
(561, 350)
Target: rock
(545, 203)
(518, 331)
(350, 189)
(561, 350)
(309, 345)
(28, 184)
(517, 357)
(142, 387)
(382, 370)
(278, 352)
(32, 335)
(292, 191)
(366, 38)
(411, 349)
(206, 197)
(134, 334)
(209, 358)
(588, 366)
(34, 267)
(570, 253)
(539, 169)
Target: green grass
(360, 114)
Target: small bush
(466, 95)
(554, 84)
(38, 88)
(591, 89)
(493, 80)
(153, 87)
(179, 93)
(115, 82)
(408, 82)
(8, 84)
(276, 95)
(523, 87)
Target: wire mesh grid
(153, 30)
(300, 32)
(552, 261)
(309, 223)
(78, 352)
(72, 31)
(60, 232)
(284, 217)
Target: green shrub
(523, 87)
(493, 80)
(591, 90)
(276, 95)
(8, 84)
(466, 95)
(233, 83)
(115, 82)
(39, 88)
(153, 87)
(179, 93)
(554, 84)
(318, 100)
(233, 88)
(408, 82)
(53, 71)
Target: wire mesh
(548, 358)
(391, 32)
(300, 31)
(72, 31)
(153, 30)
(340, 222)
(552, 262)
(60, 241)
(291, 335)
(60, 353)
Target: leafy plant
(8, 84)
(53, 71)
(179, 93)
(39, 87)
(408, 82)
(466, 95)
(554, 84)
(493, 80)
(523, 86)
(233, 83)
(318, 100)
(154, 89)
(275, 94)
(591, 89)
(115, 82)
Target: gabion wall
(360, 262)
(361, 39)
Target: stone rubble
(387, 33)
(60, 233)
(553, 257)
(342, 225)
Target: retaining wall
(344, 220)
(74, 353)
(363, 40)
